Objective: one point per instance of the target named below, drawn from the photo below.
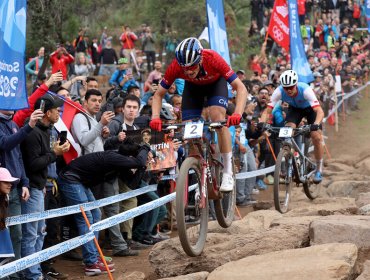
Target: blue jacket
(10, 154)
(117, 78)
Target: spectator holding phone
(38, 152)
(122, 78)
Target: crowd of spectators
(32, 151)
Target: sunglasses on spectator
(190, 68)
(263, 92)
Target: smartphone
(42, 105)
(62, 137)
(129, 71)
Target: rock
(339, 167)
(363, 199)
(347, 188)
(363, 166)
(364, 210)
(168, 258)
(329, 261)
(365, 275)
(136, 275)
(193, 276)
(350, 229)
(262, 205)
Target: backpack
(356, 10)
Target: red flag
(279, 24)
(71, 108)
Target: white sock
(226, 161)
(319, 164)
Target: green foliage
(53, 21)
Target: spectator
(34, 65)
(84, 67)
(86, 171)
(59, 61)
(156, 74)
(38, 152)
(127, 40)
(122, 78)
(6, 248)
(148, 47)
(108, 59)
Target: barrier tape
(255, 173)
(129, 214)
(345, 96)
(68, 245)
(64, 211)
(44, 255)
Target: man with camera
(122, 78)
(76, 179)
(59, 61)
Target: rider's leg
(217, 113)
(316, 137)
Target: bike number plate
(285, 132)
(193, 130)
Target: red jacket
(60, 63)
(128, 41)
(21, 115)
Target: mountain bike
(199, 180)
(293, 165)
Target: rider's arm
(241, 95)
(157, 101)
(310, 96)
(319, 114)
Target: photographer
(122, 78)
(76, 179)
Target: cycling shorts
(295, 115)
(197, 97)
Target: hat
(51, 102)
(117, 102)
(268, 83)
(5, 176)
(132, 86)
(317, 74)
(123, 60)
(240, 72)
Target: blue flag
(297, 53)
(13, 93)
(217, 30)
(367, 11)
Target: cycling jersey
(304, 98)
(213, 67)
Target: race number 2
(193, 130)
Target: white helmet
(289, 78)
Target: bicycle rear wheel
(225, 206)
(283, 180)
(192, 220)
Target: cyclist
(302, 103)
(206, 75)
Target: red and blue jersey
(214, 67)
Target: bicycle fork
(205, 179)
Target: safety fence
(68, 245)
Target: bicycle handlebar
(299, 130)
(213, 125)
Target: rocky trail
(328, 238)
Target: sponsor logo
(282, 10)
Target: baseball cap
(317, 74)
(268, 83)
(132, 86)
(123, 60)
(240, 72)
(51, 102)
(5, 176)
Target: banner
(279, 24)
(161, 143)
(13, 93)
(298, 56)
(217, 28)
(367, 11)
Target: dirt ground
(351, 140)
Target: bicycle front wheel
(192, 217)
(283, 180)
(225, 206)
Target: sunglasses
(289, 88)
(190, 68)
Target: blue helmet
(189, 52)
